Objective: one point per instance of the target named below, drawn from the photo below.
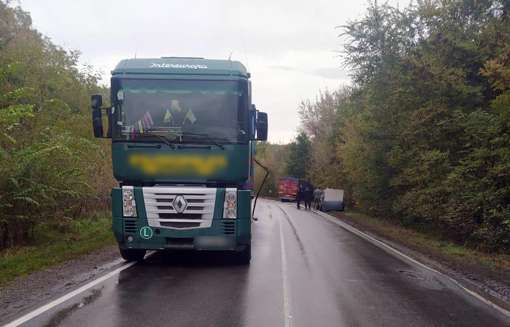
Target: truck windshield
(146, 109)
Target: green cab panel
(143, 163)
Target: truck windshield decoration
(151, 108)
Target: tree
(422, 136)
(51, 169)
(271, 156)
(320, 120)
(298, 160)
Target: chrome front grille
(179, 225)
(193, 206)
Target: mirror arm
(108, 113)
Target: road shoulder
(31, 291)
(489, 283)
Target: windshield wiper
(171, 145)
(204, 135)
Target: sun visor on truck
(180, 67)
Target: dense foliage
(51, 169)
(273, 157)
(421, 137)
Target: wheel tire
(243, 257)
(131, 254)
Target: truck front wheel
(243, 257)
(131, 254)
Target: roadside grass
(453, 255)
(52, 247)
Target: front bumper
(222, 235)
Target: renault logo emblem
(180, 204)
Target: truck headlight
(128, 195)
(128, 202)
(230, 204)
(231, 213)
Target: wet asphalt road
(306, 271)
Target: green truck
(183, 132)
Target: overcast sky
(289, 46)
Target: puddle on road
(61, 315)
(423, 280)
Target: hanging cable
(260, 188)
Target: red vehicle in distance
(287, 189)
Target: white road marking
(287, 303)
(66, 297)
(366, 236)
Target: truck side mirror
(97, 122)
(96, 101)
(262, 126)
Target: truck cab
(182, 133)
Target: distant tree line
(52, 171)
(421, 136)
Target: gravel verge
(31, 291)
